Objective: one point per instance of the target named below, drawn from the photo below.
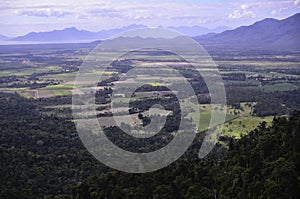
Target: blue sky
(18, 17)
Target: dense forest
(263, 164)
(42, 157)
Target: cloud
(244, 6)
(285, 8)
(279, 11)
(187, 17)
(123, 10)
(35, 15)
(104, 12)
(47, 12)
(275, 12)
(243, 12)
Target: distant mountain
(104, 34)
(265, 34)
(220, 29)
(197, 30)
(73, 34)
(2, 37)
(68, 34)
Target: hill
(197, 30)
(73, 34)
(2, 37)
(265, 34)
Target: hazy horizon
(21, 17)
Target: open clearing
(243, 125)
(238, 122)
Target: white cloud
(110, 8)
(279, 11)
(47, 12)
(243, 12)
(244, 6)
(274, 12)
(95, 15)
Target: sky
(19, 17)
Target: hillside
(265, 34)
(73, 34)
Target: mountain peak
(265, 34)
(293, 19)
(73, 34)
(70, 29)
(267, 20)
(297, 15)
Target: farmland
(39, 133)
(269, 76)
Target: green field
(61, 92)
(58, 87)
(58, 90)
(205, 115)
(243, 125)
(28, 71)
(238, 122)
(61, 77)
(154, 84)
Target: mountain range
(2, 37)
(197, 30)
(73, 34)
(265, 34)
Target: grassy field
(56, 90)
(259, 64)
(154, 84)
(243, 122)
(58, 87)
(243, 125)
(12, 89)
(97, 72)
(238, 122)
(27, 93)
(65, 77)
(61, 92)
(28, 71)
(205, 115)
(279, 87)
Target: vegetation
(42, 157)
(257, 155)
